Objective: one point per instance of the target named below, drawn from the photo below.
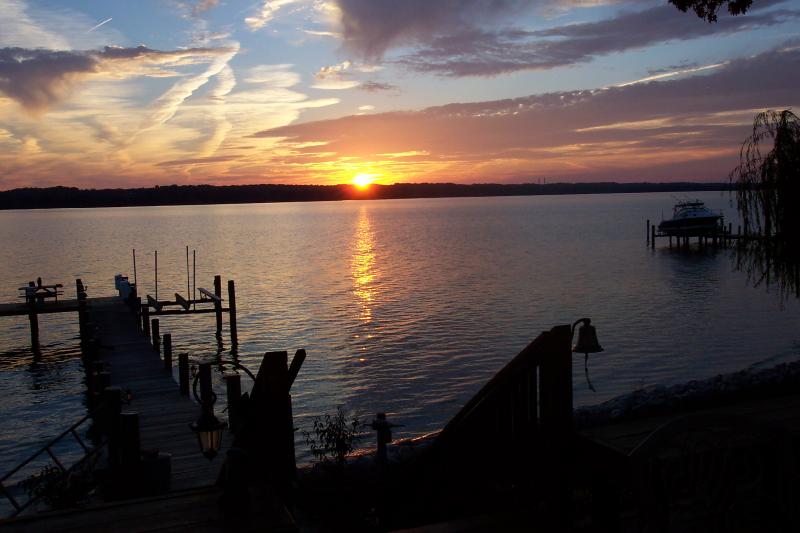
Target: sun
(362, 181)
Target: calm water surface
(403, 306)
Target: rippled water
(404, 306)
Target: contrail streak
(95, 27)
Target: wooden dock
(164, 414)
(22, 309)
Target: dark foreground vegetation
(55, 197)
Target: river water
(404, 306)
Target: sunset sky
(139, 93)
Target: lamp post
(587, 343)
(208, 428)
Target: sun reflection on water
(363, 266)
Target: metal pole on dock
(168, 352)
(183, 373)
(156, 336)
(218, 304)
(194, 278)
(232, 312)
(188, 291)
(156, 271)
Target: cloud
(335, 77)
(201, 6)
(480, 52)
(266, 12)
(371, 27)
(376, 86)
(165, 107)
(195, 161)
(680, 128)
(38, 78)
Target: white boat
(691, 218)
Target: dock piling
(168, 352)
(647, 233)
(33, 317)
(653, 236)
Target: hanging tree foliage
(707, 9)
(768, 199)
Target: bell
(587, 339)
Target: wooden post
(555, 381)
(183, 373)
(218, 304)
(146, 319)
(653, 236)
(156, 336)
(670, 241)
(280, 447)
(109, 422)
(33, 317)
(233, 386)
(647, 233)
(232, 312)
(168, 352)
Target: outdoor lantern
(209, 433)
(587, 343)
(207, 428)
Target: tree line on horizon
(70, 197)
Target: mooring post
(183, 373)
(233, 386)
(168, 352)
(109, 421)
(653, 236)
(218, 303)
(33, 317)
(156, 336)
(232, 312)
(647, 233)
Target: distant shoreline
(72, 197)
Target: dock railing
(515, 432)
(13, 492)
